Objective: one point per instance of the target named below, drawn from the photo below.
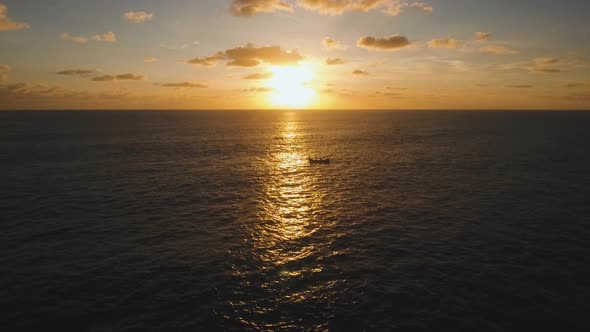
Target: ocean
(216, 221)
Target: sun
(291, 86)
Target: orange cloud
(4, 70)
(7, 24)
(498, 50)
(338, 7)
(445, 43)
(138, 17)
(332, 44)
(482, 36)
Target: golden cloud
(482, 36)
(108, 37)
(253, 7)
(359, 72)
(251, 56)
(498, 50)
(4, 70)
(445, 43)
(7, 24)
(332, 44)
(138, 17)
(326, 7)
(338, 7)
(150, 60)
(383, 44)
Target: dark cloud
(77, 72)
(185, 85)
(122, 77)
(383, 44)
(334, 61)
(258, 76)
(359, 72)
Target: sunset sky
(335, 54)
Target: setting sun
(291, 86)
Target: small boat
(322, 160)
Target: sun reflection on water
(291, 235)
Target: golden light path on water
(291, 234)
(291, 198)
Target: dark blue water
(211, 221)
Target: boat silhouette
(321, 160)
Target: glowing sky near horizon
(234, 54)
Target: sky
(324, 54)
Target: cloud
(261, 89)
(122, 77)
(185, 85)
(498, 50)
(383, 44)
(574, 85)
(522, 86)
(180, 47)
(251, 56)
(254, 7)
(359, 72)
(445, 43)
(332, 44)
(150, 60)
(35, 91)
(6, 23)
(258, 76)
(138, 17)
(482, 36)
(334, 61)
(326, 7)
(77, 72)
(545, 65)
(546, 61)
(208, 61)
(4, 70)
(339, 7)
(108, 37)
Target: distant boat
(322, 160)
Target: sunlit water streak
(214, 221)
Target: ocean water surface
(215, 221)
